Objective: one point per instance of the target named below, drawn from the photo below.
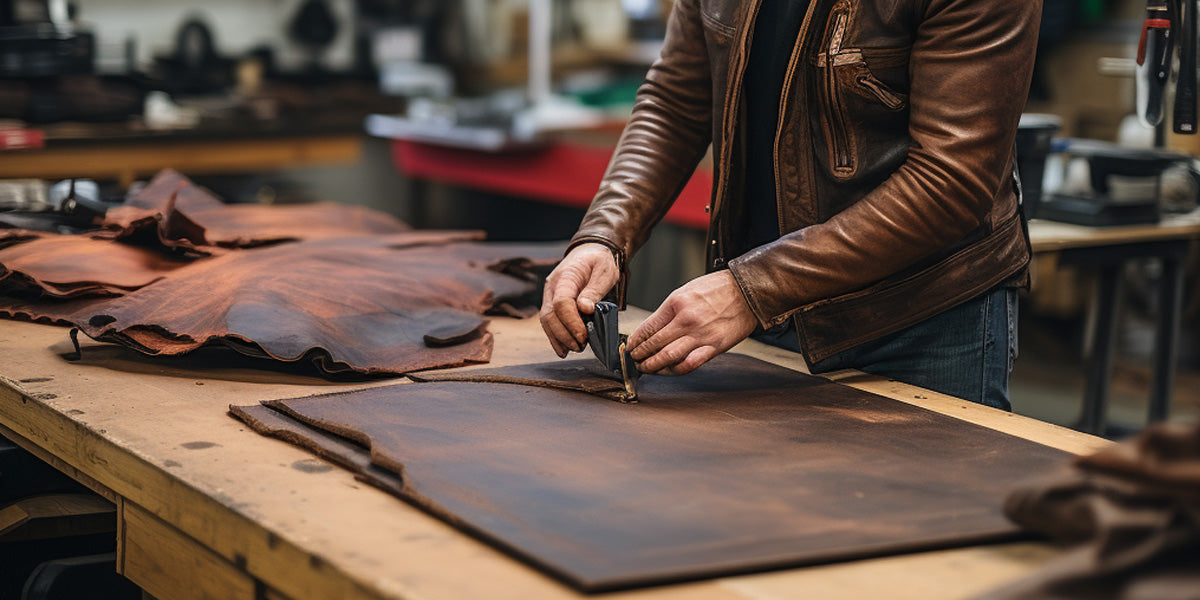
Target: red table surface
(563, 173)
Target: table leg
(1095, 398)
(1166, 338)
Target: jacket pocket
(839, 137)
(852, 101)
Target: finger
(661, 339)
(673, 354)
(565, 310)
(560, 340)
(661, 317)
(694, 360)
(593, 292)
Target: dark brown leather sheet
(67, 266)
(186, 216)
(584, 375)
(740, 466)
(326, 445)
(1132, 513)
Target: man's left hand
(698, 321)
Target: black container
(1033, 146)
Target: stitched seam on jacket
(712, 21)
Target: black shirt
(775, 32)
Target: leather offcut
(354, 304)
(184, 216)
(346, 288)
(71, 266)
(740, 466)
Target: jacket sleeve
(667, 134)
(970, 69)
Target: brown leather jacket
(894, 159)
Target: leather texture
(739, 466)
(351, 304)
(894, 161)
(336, 449)
(585, 375)
(69, 266)
(1132, 513)
(365, 302)
(185, 216)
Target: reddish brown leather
(894, 163)
(1133, 514)
(65, 266)
(352, 304)
(740, 466)
(183, 215)
(369, 304)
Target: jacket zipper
(839, 140)
(783, 105)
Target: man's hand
(583, 277)
(698, 321)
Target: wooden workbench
(123, 154)
(209, 509)
(1107, 250)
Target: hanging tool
(1184, 116)
(1154, 61)
(609, 346)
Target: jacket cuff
(618, 255)
(768, 314)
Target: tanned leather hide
(740, 466)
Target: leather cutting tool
(608, 345)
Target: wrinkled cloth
(371, 305)
(1133, 514)
(69, 266)
(182, 215)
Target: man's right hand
(581, 280)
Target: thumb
(591, 294)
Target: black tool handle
(1185, 90)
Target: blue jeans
(966, 351)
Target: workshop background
(329, 100)
(500, 115)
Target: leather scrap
(360, 304)
(737, 467)
(69, 266)
(185, 216)
(1131, 513)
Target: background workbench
(124, 153)
(210, 509)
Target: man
(865, 205)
